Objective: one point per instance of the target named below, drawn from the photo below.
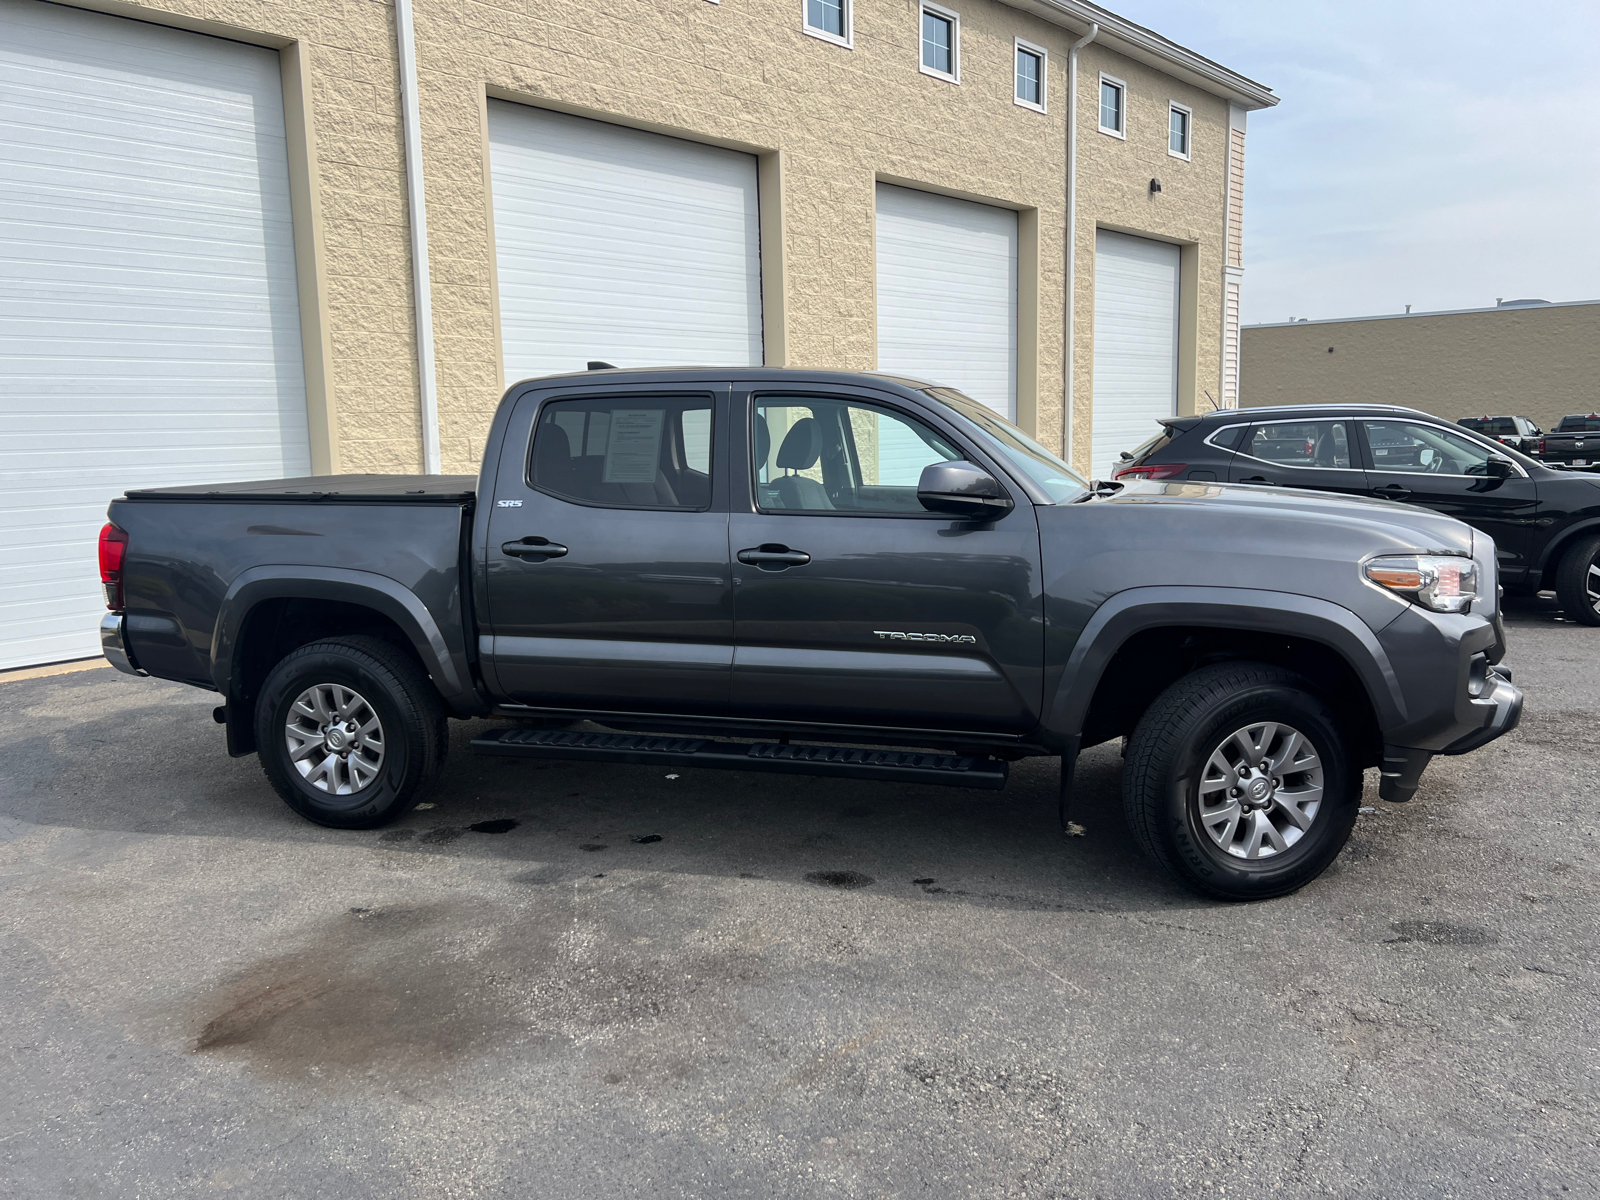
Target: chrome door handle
(1391, 491)
(773, 556)
(532, 547)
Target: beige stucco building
(255, 235)
(1528, 359)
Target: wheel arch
(269, 611)
(1140, 641)
(1557, 547)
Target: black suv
(1545, 522)
(1517, 432)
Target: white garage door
(1135, 343)
(622, 246)
(947, 293)
(149, 324)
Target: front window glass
(1110, 106)
(826, 15)
(1301, 444)
(1424, 449)
(1019, 451)
(1030, 77)
(625, 453)
(938, 43)
(816, 455)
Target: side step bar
(896, 766)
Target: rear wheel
(1238, 781)
(350, 731)
(1578, 581)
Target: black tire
(403, 761)
(1167, 766)
(1574, 581)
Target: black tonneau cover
(337, 489)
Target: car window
(1301, 444)
(1228, 437)
(1579, 425)
(625, 452)
(1424, 449)
(1493, 426)
(816, 455)
(1046, 471)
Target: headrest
(800, 446)
(763, 441)
(552, 443)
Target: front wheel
(350, 731)
(1238, 781)
(1578, 581)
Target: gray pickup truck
(836, 574)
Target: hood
(1307, 543)
(1397, 527)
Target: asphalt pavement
(598, 981)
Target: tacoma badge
(965, 639)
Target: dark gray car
(836, 574)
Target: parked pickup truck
(836, 574)
(1575, 441)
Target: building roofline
(1443, 312)
(1149, 47)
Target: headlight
(1431, 580)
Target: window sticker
(633, 450)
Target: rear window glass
(1494, 426)
(1579, 425)
(1160, 442)
(1301, 444)
(642, 452)
(1229, 438)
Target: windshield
(1024, 455)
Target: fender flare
(449, 669)
(1137, 609)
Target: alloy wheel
(335, 739)
(1260, 790)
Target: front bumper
(1403, 765)
(114, 644)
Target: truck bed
(343, 489)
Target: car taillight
(1151, 471)
(113, 545)
(1541, 445)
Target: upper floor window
(1031, 62)
(941, 42)
(829, 20)
(1113, 106)
(1179, 120)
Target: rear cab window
(1579, 424)
(625, 452)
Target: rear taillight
(113, 545)
(1541, 445)
(1151, 471)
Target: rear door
(1320, 454)
(607, 560)
(853, 604)
(1422, 463)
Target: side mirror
(962, 489)
(1499, 467)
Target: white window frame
(1018, 48)
(939, 10)
(1188, 130)
(848, 41)
(1122, 86)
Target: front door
(1305, 454)
(607, 583)
(1421, 463)
(853, 604)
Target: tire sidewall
(314, 665)
(1573, 578)
(1186, 839)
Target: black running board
(893, 766)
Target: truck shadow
(99, 751)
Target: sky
(1441, 155)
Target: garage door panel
(621, 245)
(149, 316)
(1135, 343)
(947, 293)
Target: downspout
(1072, 234)
(417, 212)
